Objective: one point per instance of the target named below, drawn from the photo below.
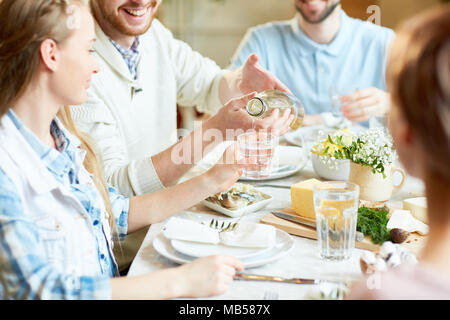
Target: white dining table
(301, 261)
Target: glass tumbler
(336, 93)
(260, 146)
(336, 208)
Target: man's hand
(253, 77)
(361, 105)
(248, 78)
(233, 116)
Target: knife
(306, 222)
(254, 277)
(296, 219)
(270, 185)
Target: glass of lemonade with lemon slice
(336, 208)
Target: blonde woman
(419, 81)
(57, 215)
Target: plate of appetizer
(240, 199)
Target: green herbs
(224, 227)
(372, 222)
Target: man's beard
(325, 15)
(118, 25)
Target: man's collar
(106, 50)
(310, 47)
(134, 46)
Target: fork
(270, 295)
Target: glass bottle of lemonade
(265, 102)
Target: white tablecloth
(302, 261)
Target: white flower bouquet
(373, 148)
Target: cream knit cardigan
(131, 120)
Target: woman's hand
(209, 276)
(363, 104)
(228, 169)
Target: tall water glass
(261, 147)
(336, 208)
(336, 93)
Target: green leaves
(223, 227)
(372, 222)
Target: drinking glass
(336, 93)
(336, 208)
(379, 121)
(312, 136)
(261, 146)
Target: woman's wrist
(178, 284)
(210, 182)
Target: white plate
(198, 250)
(309, 135)
(237, 213)
(305, 135)
(287, 161)
(283, 244)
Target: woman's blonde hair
(24, 25)
(418, 76)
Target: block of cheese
(418, 208)
(302, 197)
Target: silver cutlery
(254, 277)
(271, 185)
(296, 219)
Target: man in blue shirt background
(319, 49)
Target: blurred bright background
(215, 27)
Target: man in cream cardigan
(131, 110)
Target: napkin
(245, 235)
(187, 230)
(403, 219)
(249, 234)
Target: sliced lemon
(338, 205)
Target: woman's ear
(407, 145)
(49, 54)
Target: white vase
(373, 186)
(338, 173)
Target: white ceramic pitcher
(373, 186)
